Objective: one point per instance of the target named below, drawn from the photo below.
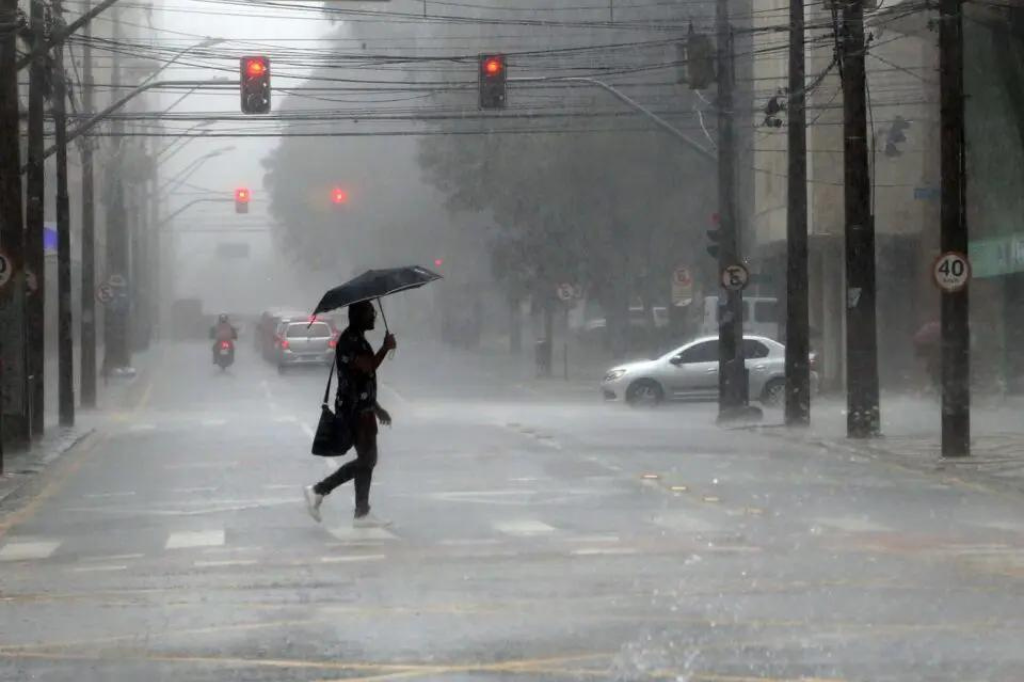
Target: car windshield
(557, 417)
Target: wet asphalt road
(535, 539)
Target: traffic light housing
(242, 196)
(714, 238)
(255, 84)
(699, 59)
(493, 79)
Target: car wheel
(774, 393)
(644, 392)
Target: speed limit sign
(951, 271)
(6, 269)
(735, 277)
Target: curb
(29, 464)
(948, 471)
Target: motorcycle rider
(223, 331)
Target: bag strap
(330, 377)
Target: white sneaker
(313, 501)
(369, 521)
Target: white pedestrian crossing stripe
(195, 538)
(524, 527)
(28, 549)
(354, 535)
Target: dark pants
(361, 468)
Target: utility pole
(34, 218)
(798, 373)
(88, 320)
(863, 416)
(65, 348)
(956, 346)
(732, 372)
(13, 418)
(117, 353)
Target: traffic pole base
(741, 414)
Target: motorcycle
(224, 354)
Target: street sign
(6, 269)
(105, 294)
(735, 277)
(566, 292)
(682, 286)
(951, 271)
(117, 281)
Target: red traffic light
(255, 67)
(339, 196)
(242, 195)
(438, 262)
(494, 66)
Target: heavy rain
(511, 340)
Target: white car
(690, 372)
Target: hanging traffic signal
(493, 78)
(339, 196)
(699, 59)
(255, 84)
(242, 196)
(714, 237)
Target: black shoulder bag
(334, 433)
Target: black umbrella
(375, 284)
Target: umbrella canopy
(375, 284)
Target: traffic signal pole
(956, 359)
(863, 415)
(35, 259)
(65, 344)
(732, 372)
(87, 322)
(798, 371)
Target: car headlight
(614, 374)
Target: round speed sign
(6, 269)
(735, 277)
(951, 271)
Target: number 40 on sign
(951, 271)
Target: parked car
(305, 343)
(690, 372)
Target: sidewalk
(22, 466)
(911, 437)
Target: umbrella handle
(385, 318)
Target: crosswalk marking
(350, 534)
(852, 524)
(22, 551)
(99, 568)
(603, 551)
(351, 559)
(195, 538)
(524, 527)
(224, 562)
(214, 422)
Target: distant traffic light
(339, 196)
(255, 84)
(698, 56)
(714, 237)
(493, 78)
(242, 197)
(438, 262)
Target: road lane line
(100, 568)
(25, 550)
(214, 422)
(112, 557)
(603, 551)
(199, 489)
(220, 563)
(524, 527)
(195, 538)
(351, 559)
(105, 495)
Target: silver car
(302, 343)
(690, 372)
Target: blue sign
(49, 238)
